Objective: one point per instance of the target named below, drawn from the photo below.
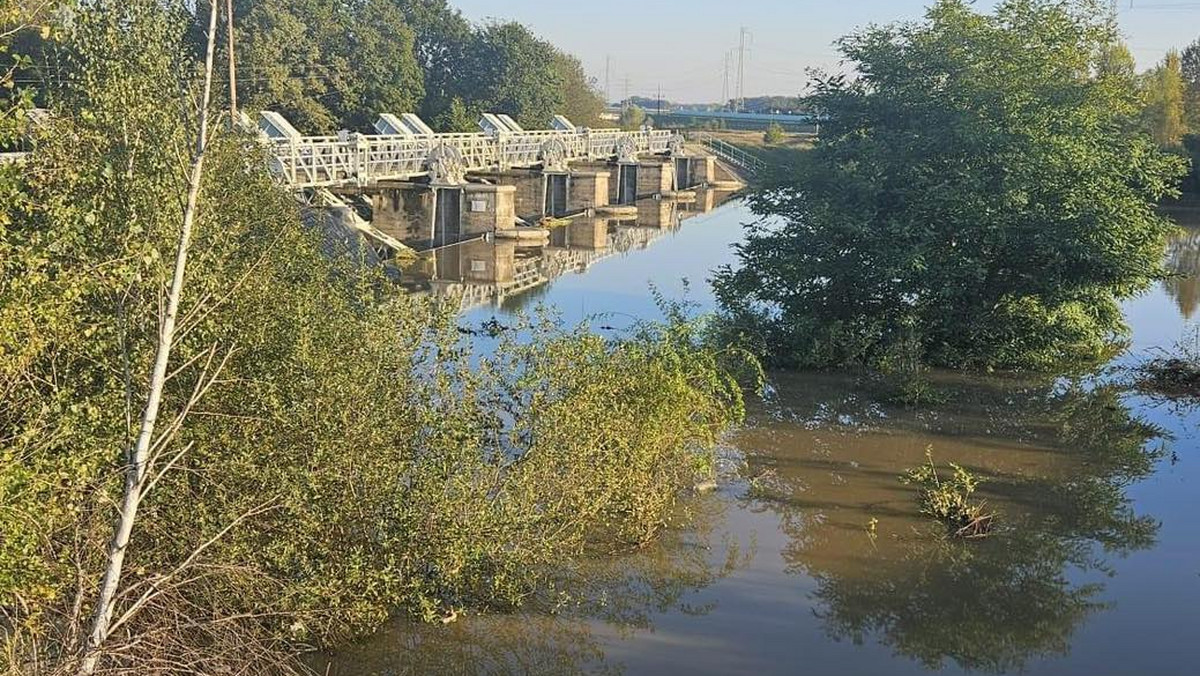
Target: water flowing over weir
(782, 570)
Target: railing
(325, 161)
(729, 153)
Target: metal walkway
(351, 159)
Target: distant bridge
(734, 120)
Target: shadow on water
(1055, 459)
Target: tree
(582, 101)
(774, 134)
(1116, 61)
(442, 40)
(325, 65)
(633, 117)
(1165, 102)
(1190, 67)
(509, 70)
(1005, 239)
(138, 468)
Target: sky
(681, 45)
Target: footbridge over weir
(405, 148)
(406, 187)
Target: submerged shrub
(948, 500)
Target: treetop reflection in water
(1054, 461)
(1183, 262)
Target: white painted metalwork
(510, 123)
(390, 125)
(416, 125)
(359, 159)
(275, 125)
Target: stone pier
(404, 213)
(529, 198)
(657, 213)
(588, 233)
(488, 208)
(702, 170)
(588, 189)
(655, 177)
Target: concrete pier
(588, 190)
(488, 208)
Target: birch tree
(138, 456)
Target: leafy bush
(1005, 239)
(774, 134)
(949, 500)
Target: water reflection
(511, 272)
(556, 633)
(1183, 263)
(1056, 460)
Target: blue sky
(680, 45)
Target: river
(812, 556)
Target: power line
(725, 88)
(607, 73)
(741, 80)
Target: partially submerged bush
(1175, 374)
(949, 500)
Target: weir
(426, 190)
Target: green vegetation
(774, 134)
(328, 66)
(1006, 239)
(328, 452)
(1189, 66)
(1166, 94)
(632, 118)
(429, 59)
(949, 500)
(1191, 144)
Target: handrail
(363, 159)
(729, 152)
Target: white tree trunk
(135, 471)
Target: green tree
(1116, 61)
(327, 65)
(1165, 96)
(510, 70)
(633, 117)
(443, 38)
(1005, 239)
(1190, 67)
(582, 101)
(774, 134)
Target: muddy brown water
(813, 557)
